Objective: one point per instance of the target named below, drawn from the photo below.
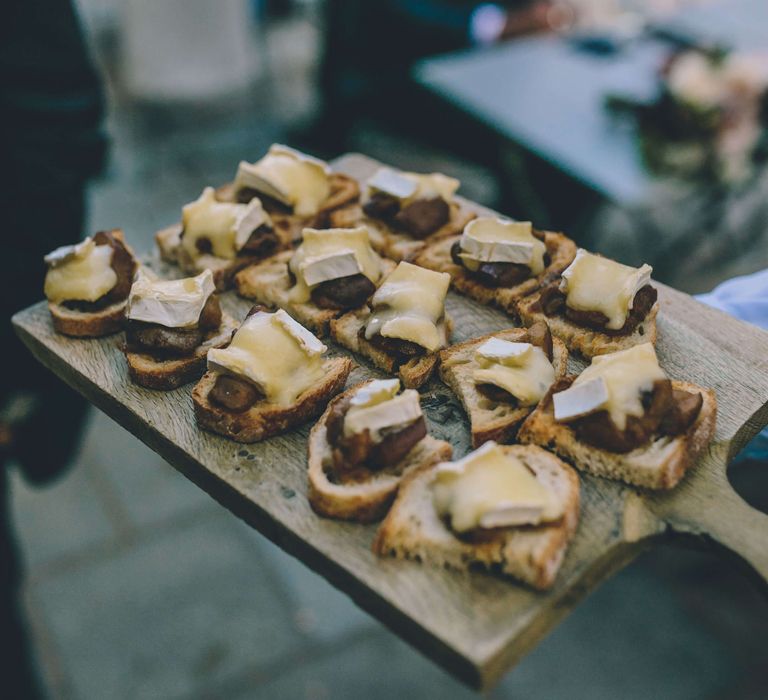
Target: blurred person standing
(51, 143)
(370, 49)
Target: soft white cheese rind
(390, 413)
(328, 254)
(169, 303)
(521, 369)
(581, 399)
(490, 239)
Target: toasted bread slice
(659, 465)
(344, 191)
(87, 324)
(532, 554)
(168, 242)
(365, 500)
(395, 244)
(264, 419)
(166, 374)
(436, 255)
(345, 330)
(269, 283)
(489, 420)
(586, 341)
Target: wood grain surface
(474, 624)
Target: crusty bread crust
(168, 242)
(437, 256)
(660, 465)
(264, 420)
(368, 500)
(489, 420)
(585, 341)
(269, 283)
(396, 245)
(164, 375)
(344, 191)
(533, 554)
(345, 331)
(87, 324)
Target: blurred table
(547, 95)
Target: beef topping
(403, 350)
(204, 246)
(552, 302)
(124, 266)
(271, 205)
(261, 242)
(351, 452)
(382, 206)
(234, 394)
(423, 216)
(540, 335)
(343, 293)
(496, 393)
(163, 341)
(683, 412)
(493, 274)
(668, 411)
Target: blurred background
(637, 127)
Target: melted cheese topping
(410, 305)
(380, 409)
(281, 357)
(79, 273)
(408, 187)
(490, 488)
(489, 239)
(170, 303)
(526, 374)
(293, 178)
(226, 225)
(321, 248)
(627, 375)
(594, 283)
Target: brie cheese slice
(327, 254)
(225, 226)
(398, 410)
(392, 183)
(489, 488)
(504, 352)
(626, 376)
(581, 399)
(290, 177)
(410, 305)
(332, 266)
(594, 283)
(275, 353)
(169, 303)
(489, 239)
(377, 391)
(526, 375)
(82, 272)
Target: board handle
(743, 530)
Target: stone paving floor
(141, 586)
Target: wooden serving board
(476, 625)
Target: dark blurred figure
(370, 49)
(51, 142)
